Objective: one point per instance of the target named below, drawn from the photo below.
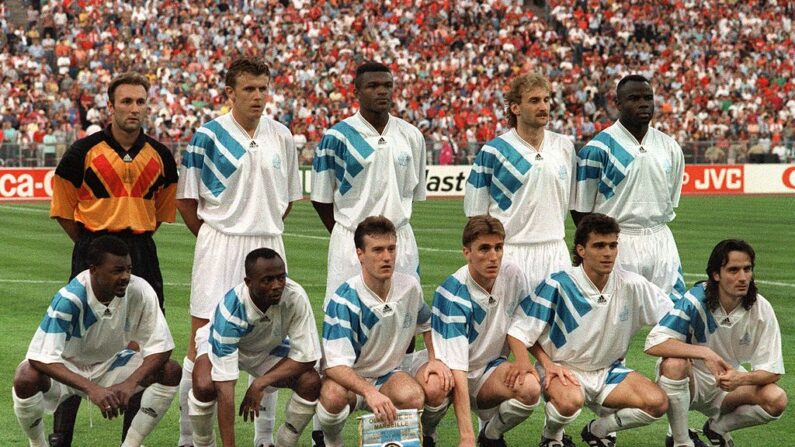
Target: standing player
(371, 163)
(524, 178)
(718, 326)
(578, 324)
(247, 332)
(238, 179)
(370, 321)
(633, 173)
(471, 313)
(122, 182)
(80, 348)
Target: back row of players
(240, 176)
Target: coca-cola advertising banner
(449, 181)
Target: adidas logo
(127, 158)
(492, 300)
(601, 299)
(107, 313)
(387, 309)
(539, 157)
(726, 322)
(381, 140)
(149, 411)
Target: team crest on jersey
(666, 166)
(624, 315)
(277, 161)
(404, 158)
(406, 321)
(746, 340)
(563, 173)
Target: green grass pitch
(35, 257)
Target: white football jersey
(364, 173)
(240, 333)
(638, 184)
(80, 330)
(529, 192)
(470, 324)
(243, 184)
(740, 336)
(579, 325)
(370, 335)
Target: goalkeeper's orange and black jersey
(106, 188)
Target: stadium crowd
(723, 74)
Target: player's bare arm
(104, 398)
(382, 406)
(286, 368)
(70, 227)
(733, 379)
(520, 366)
(326, 213)
(435, 366)
(678, 349)
(188, 209)
(461, 406)
(552, 369)
(225, 399)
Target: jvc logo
(718, 179)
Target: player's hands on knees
(124, 392)
(442, 371)
(730, 380)
(106, 400)
(716, 365)
(517, 371)
(565, 376)
(249, 408)
(383, 408)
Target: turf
(35, 258)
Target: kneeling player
(578, 324)
(247, 332)
(370, 321)
(471, 314)
(715, 328)
(80, 348)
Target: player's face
(112, 277)
(533, 111)
(129, 107)
(374, 92)
(267, 280)
(248, 96)
(484, 257)
(735, 277)
(378, 255)
(599, 253)
(635, 104)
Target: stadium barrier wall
(25, 184)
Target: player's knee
(308, 385)
(655, 402)
(204, 388)
(434, 391)
(774, 400)
(333, 396)
(29, 381)
(171, 373)
(568, 406)
(408, 396)
(529, 391)
(675, 368)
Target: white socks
(185, 385)
(510, 414)
(30, 413)
(332, 424)
(678, 392)
(154, 405)
(431, 416)
(622, 419)
(297, 415)
(555, 423)
(264, 423)
(743, 416)
(202, 417)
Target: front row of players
(577, 323)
